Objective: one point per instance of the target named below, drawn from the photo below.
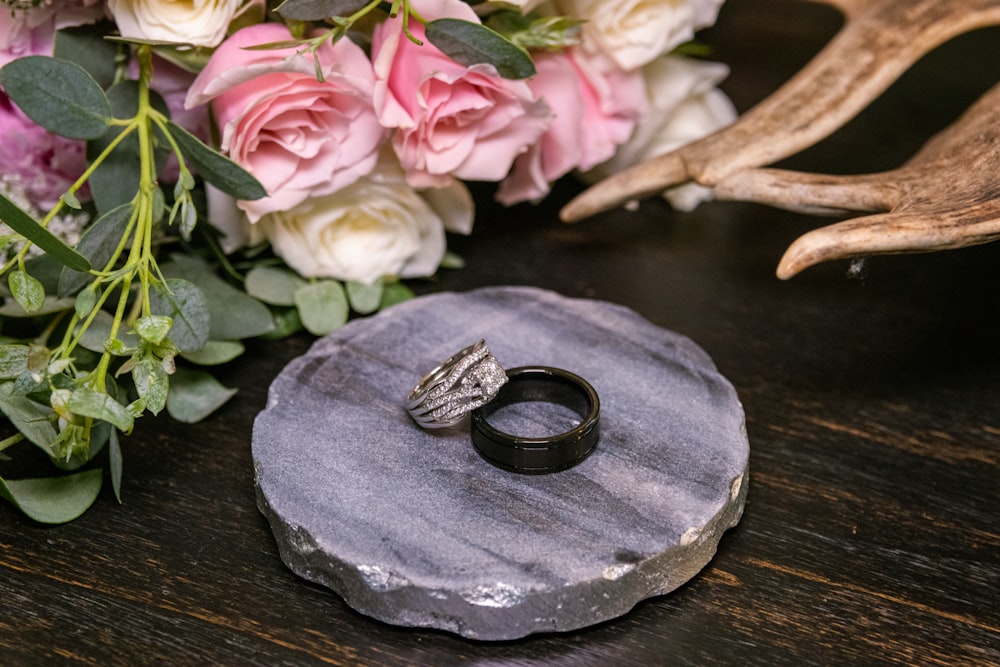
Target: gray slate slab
(416, 529)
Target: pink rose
(300, 137)
(42, 165)
(31, 31)
(596, 106)
(450, 120)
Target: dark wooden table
(871, 533)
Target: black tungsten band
(537, 455)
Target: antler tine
(946, 196)
(813, 194)
(880, 40)
(893, 233)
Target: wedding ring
(463, 382)
(536, 455)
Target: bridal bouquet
(176, 177)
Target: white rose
(201, 22)
(635, 32)
(684, 105)
(376, 227)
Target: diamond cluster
(472, 381)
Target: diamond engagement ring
(465, 381)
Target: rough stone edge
(413, 606)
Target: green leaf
(85, 301)
(395, 293)
(97, 244)
(27, 291)
(315, 10)
(116, 180)
(273, 285)
(98, 405)
(153, 328)
(54, 499)
(364, 298)
(470, 43)
(215, 168)
(184, 303)
(151, 383)
(51, 304)
(216, 352)
(322, 306)
(115, 464)
(85, 45)
(233, 314)
(32, 419)
(286, 323)
(58, 95)
(13, 360)
(194, 395)
(25, 225)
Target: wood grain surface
(871, 532)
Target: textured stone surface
(414, 528)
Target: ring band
(537, 455)
(465, 381)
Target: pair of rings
(473, 381)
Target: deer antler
(879, 41)
(946, 196)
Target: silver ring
(465, 381)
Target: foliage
(144, 290)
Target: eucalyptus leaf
(322, 306)
(233, 315)
(13, 360)
(27, 291)
(216, 352)
(85, 45)
(26, 226)
(194, 395)
(184, 303)
(153, 328)
(395, 293)
(151, 383)
(273, 285)
(54, 499)
(58, 95)
(364, 298)
(116, 180)
(98, 405)
(470, 43)
(286, 322)
(115, 464)
(32, 419)
(85, 301)
(215, 168)
(315, 10)
(50, 304)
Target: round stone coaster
(414, 528)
